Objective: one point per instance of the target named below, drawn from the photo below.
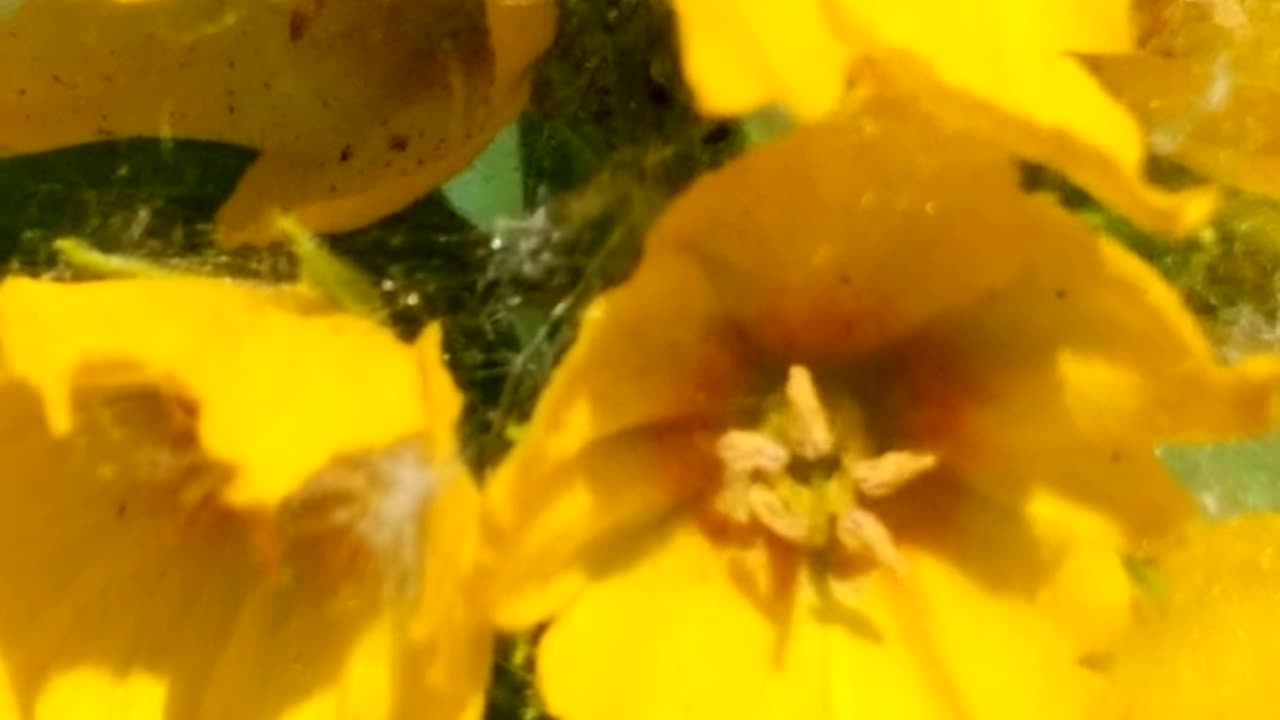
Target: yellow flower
(228, 501)
(1209, 641)
(1006, 69)
(867, 434)
(355, 107)
(1206, 84)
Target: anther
(887, 473)
(749, 451)
(861, 532)
(772, 510)
(807, 422)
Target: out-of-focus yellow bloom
(1006, 69)
(866, 435)
(228, 501)
(1207, 85)
(355, 107)
(1209, 642)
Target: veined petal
(335, 384)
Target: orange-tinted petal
(1065, 380)
(847, 234)
(355, 108)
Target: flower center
(807, 470)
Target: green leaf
(1230, 478)
(491, 188)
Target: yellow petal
(1209, 640)
(1063, 381)
(356, 108)
(697, 646)
(1205, 87)
(1003, 69)
(440, 397)
(334, 384)
(1001, 656)
(611, 444)
(1093, 341)
(87, 692)
(111, 595)
(845, 235)
(703, 642)
(124, 596)
(451, 637)
(1049, 565)
(302, 649)
(757, 52)
(547, 525)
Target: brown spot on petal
(398, 142)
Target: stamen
(746, 454)
(773, 512)
(794, 478)
(860, 531)
(747, 451)
(807, 421)
(887, 473)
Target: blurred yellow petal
(1002, 69)
(1209, 640)
(337, 384)
(87, 693)
(452, 640)
(757, 52)
(136, 586)
(356, 108)
(1205, 85)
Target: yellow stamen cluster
(803, 474)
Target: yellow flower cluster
(867, 434)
